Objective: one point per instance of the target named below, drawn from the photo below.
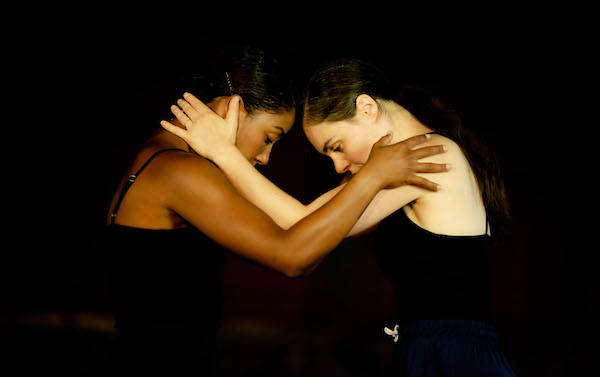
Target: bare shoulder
(193, 187)
(453, 155)
(460, 174)
(184, 168)
(457, 209)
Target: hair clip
(229, 83)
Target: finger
(385, 140)
(432, 168)
(196, 103)
(415, 180)
(188, 109)
(415, 140)
(180, 115)
(174, 129)
(233, 110)
(428, 151)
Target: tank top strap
(132, 179)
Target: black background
(80, 107)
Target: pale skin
(454, 208)
(180, 188)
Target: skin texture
(256, 133)
(180, 188)
(454, 209)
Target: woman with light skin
(434, 244)
(175, 216)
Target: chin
(356, 170)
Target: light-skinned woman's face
(347, 143)
(258, 132)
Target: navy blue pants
(435, 348)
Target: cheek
(248, 143)
(359, 153)
(358, 144)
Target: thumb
(233, 110)
(386, 139)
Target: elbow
(299, 273)
(298, 267)
(296, 270)
(294, 273)
(301, 258)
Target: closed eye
(337, 147)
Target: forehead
(319, 133)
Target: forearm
(284, 209)
(317, 234)
(198, 190)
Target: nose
(341, 165)
(263, 157)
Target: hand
(203, 129)
(396, 164)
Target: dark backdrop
(56, 311)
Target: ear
(220, 105)
(242, 108)
(367, 107)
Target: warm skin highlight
(180, 189)
(348, 142)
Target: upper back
(137, 200)
(457, 209)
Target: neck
(403, 123)
(164, 138)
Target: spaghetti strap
(132, 179)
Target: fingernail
(438, 187)
(448, 166)
(444, 148)
(428, 136)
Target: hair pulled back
(331, 95)
(250, 72)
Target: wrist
(369, 178)
(225, 155)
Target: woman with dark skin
(175, 213)
(434, 244)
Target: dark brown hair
(254, 74)
(331, 96)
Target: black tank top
(435, 276)
(167, 289)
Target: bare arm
(204, 134)
(198, 190)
